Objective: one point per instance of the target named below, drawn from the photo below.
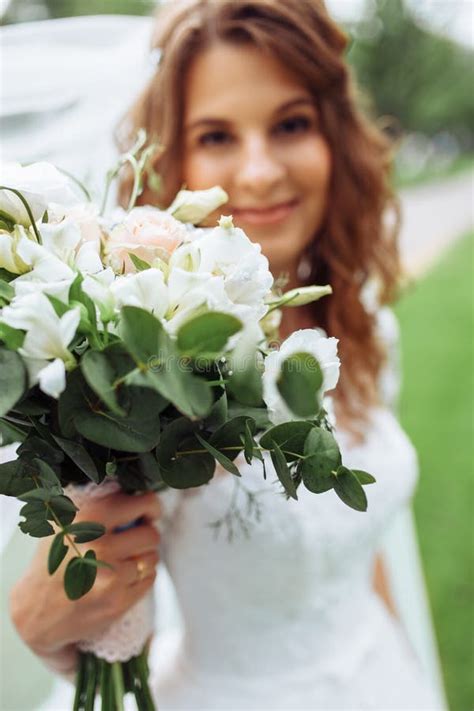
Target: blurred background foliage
(419, 80)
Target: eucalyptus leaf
(85, 531)
(79, 576)
(219, 456)
(322, 459)
(16, 478)
(13, 379)
(300, 383)
(182, 471)
(10, 433)
(349, 489)
(100, 376)
(290, 437)
(228, 436)
(363, 477)
(138, 431)
(157, 357)
(57, 553)
(80, 456)
(207, 334)
(283, 471)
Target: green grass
(436, 318)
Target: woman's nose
(259, 168)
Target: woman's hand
(48, 621)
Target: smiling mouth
(268, 215)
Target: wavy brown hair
(354, 242)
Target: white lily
(195, 205)
(147, 289)
(97, 286)
(47, 334)
(52, 378)
(9, 258)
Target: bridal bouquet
(133, 354)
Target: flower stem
(28, 210)
(117, 680)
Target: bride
(255, 96)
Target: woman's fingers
(139, 540)
(120, 509)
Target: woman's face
(252, 128)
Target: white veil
(64, 85)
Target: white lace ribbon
(127, 635)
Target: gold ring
(142, 570)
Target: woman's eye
(213, 138)
(296, 124)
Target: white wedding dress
(287, 618)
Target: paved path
(434, 217)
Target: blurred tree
(21, 10)
(422, 79)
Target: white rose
(40, 184)
(195, 205)
(308, 340)
(226, 251)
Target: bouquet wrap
(127, 636)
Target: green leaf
(85, 531)
(219, 456)
(299, 384)
(282, 470)
(36, 526)
(35, 447)
(12, 337)
(185, 470)
(157, 357)
(64, 509)
(57, 553)
(363, 477)
(13, 380)
(10, 433)
(207, 334)
(229, 435)
(290, 437)
(100, 376)
(218, 414)
(7, 292)
(80, 456)
(244, 373)
(15, 478)
(59, 306)
(88, 315)
(139, 264)
(79, 576)
(138, 431)
(249, 443)
(349, 489)
(322, 459)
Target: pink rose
(147, 233)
